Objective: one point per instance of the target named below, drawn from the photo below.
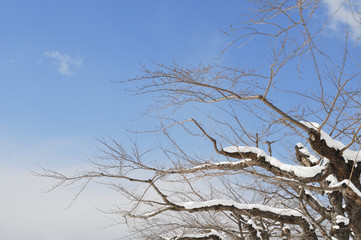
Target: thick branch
(258, 157)
(287, 216)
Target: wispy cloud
(345, 13)
(64, 62)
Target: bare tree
(282, 160)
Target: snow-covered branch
(259, 158)
(338, 146)
(283, 215)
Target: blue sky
(57, 64)
(59, 58)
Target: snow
(235, 149)
(342, 219)
(308, 192)
(257, 228)
(221, 164)
(334, 183)
(299, 171)
(332, 179)
(348, 154)
(222, 202)
(305, 151)
(200, 235)
(353, 187)
(349, 184)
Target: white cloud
(27, 212)
(345, 12)
(64, 61)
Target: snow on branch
(347, 154)
(207, 235)
(346, 185)
(227, 165)
(283, 215)
(247, 207)
(260, 158)
(251, 156)
(302, 152)
(254, 228)
(341, 219)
